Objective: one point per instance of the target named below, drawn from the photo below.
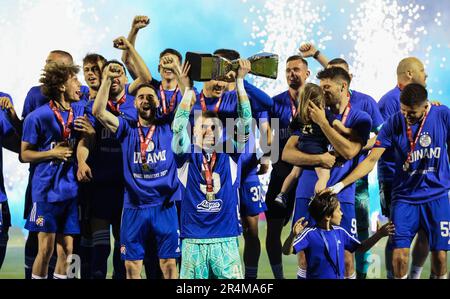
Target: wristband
(316, 54)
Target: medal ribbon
(412, 143)
(208, 171)
(66, 130)
(202, 102)
(346, 112)
(145, 142)
(115, 109)
(172, 100)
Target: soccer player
(107, 188)
(150, 174)
(284, 109)
(35, 99)
(419, 136)
(409, 70)
(334, 82)
(209, 210)
(48, 141)
(9, 139)
(367, 104)
(325, 242)
(250, 193)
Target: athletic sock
(415, 272)
(434, 276)
(404, 277)
(353, 276)
(301, 273)
(38, 277)
(59, 276)
(277, 271)
(101, 251)
(251, 272)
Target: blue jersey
(106, 159)
(323, 262)
(52, 181)
(428, 176)
(389, 105)
(6, 129)
(200, 218)
(360, 122)
(36, 99)
(159, 183)
(249, 160)
(366, 103)
(282, 110)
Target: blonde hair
(310, 92)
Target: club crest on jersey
(425, 140)
(214, 206)
(40, 221)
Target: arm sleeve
(31, 129)
(362, 125)
(180, 140)
(123, 129)
(384, 138)
(259, 100)
(301, 243)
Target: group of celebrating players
(174, 172)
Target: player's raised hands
(140, 22)
(244, 68)
(112, 71)
(307, 50)
(299, 226)
(184, 75)
(5, 103)
(122, 43)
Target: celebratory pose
(107, 188)
(209, 211)
(48, 142)
(150, 174)
(419, 136)
(334, 82)
(325, 243)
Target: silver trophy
(205, 67)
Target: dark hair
(113, 61)
(63, 53)
(337, 61)
(142, 85)
(322, 205)
(93, 58)
(54, 76)
(334, 73)
(173, 52)
(413, 94)
(228, 54)
(297, 57)
(310, 92)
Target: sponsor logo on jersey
(214, 206)
(151, 157)
(426, 153)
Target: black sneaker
(280, 200)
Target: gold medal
(145, 167)
(406, 166)
(210, 196)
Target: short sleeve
(350, 243)
(362, 125)
(301, 242)
(123, 130)
(31, 130)
(384, 138)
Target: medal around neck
(205, 67)
(210, 196)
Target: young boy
(325, 236)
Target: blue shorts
(54, 217)
(348, 221)
(251, 200)
(140, 225)
(106, 200)
(433, 217)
